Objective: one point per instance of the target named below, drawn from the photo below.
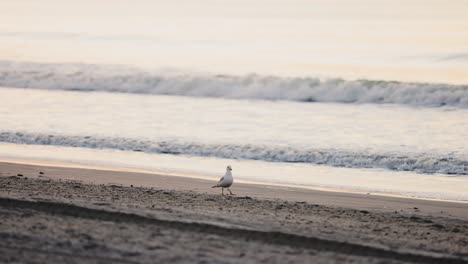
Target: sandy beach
(56, 214)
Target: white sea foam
(85, 77)
(423, 163)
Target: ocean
(286, 96)
(379, 129)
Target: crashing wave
(86, 77)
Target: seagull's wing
(220, 181)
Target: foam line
(418, 162)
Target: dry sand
(76, 215)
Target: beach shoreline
(80, 164)
(95, 174)
(258, 224)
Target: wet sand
(55, 214)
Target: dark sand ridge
(57, 220)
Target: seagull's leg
(222, 191)
(229, 191)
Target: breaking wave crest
(422, 163)
(86, 77)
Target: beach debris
(90, 245)
(101, 203)
(19, 175)
(279, 207)
(131, 185)
(131, 254)
(154, 247)
(41, 172)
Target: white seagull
(226, 181)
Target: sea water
(387, 148)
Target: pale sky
(398, 40)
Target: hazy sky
(404, 40)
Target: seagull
(226, 181)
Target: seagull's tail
(214, 186)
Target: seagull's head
(229, 168)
